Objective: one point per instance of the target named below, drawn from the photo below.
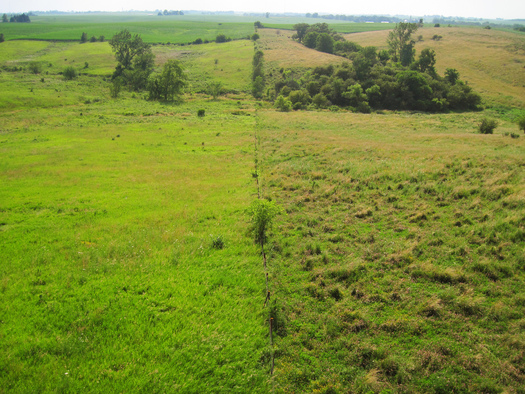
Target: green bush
(261, 214)
(70, 73)
(521, 123)
(201, 113)
(283, 104)
(487, 126)
(35, 67)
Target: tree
(93, 39)
(2, 39)
(521, 123)
(301, 29)
(221, 38)
(255, 37)
(283, 104)
(169, 84)
(83, 38)
(215, 89)
(310, 39)
(135, 59)
(427, 61)
(70, 73)
(261, 214)
(487, 126)
(258, 25)
(325, 43)
(399, 38)
(4, 18)
(452, 75)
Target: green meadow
(397, 264)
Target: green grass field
(397, 265)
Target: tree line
(393, 79)
(20, 18)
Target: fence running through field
(263, 253)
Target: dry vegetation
(279, 49)
(492, 61)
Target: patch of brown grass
(285, 52)
(492, 61)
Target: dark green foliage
(83, 38)
(35, 67)
(255, 37)
(310, 39)
(325, 43)
(487, 126)
(2, 39)
(21, 18)
(214, 89)
(169, 84)
(4, 18)
(102, 38)
(258, 25)
(283, 104)
(217, 242)
(222, 38)
(301, 29)
(426, 62)
(198, 41)
(521, 123)
(401, 43)
(201, 113)
(261, 215)
(70, 73)
(115, 87)
(258, 80)
(135, 59)
(452, 75)
(93, 39)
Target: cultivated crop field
(396, 265)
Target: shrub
(35, 67)
(217, 242)
(487, 126)
(201, 113)
(521, 123)
(261, 215)
(70, 73)
(115, 87)
(283, 104)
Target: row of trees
(21, 18)
(393, 79)
(84, 38)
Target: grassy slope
(492, 61)
(108, 211)
(400, 264)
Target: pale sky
(489, 9)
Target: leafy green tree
(399, 38)
(283, 104)
(258, 25)
(258, 65)
(135, 59)
(102, 38)
(452, 75)
(255, 37)
(5, 19)
(310, 39)
(320, 100)
(93, 39)
(214, 89)
(325, 43)
(521, 123)
(221, 38)
(169, 84)
(83, 38)
(427, 61)
(407, 54)
(70, 73)
(487, 126)
(301, 29)
(35, 67)
(261, 215)
(258, 87)
(2, 39)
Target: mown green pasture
(126, 261)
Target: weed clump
(487, 126)
(201, 113)
(70, 73)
